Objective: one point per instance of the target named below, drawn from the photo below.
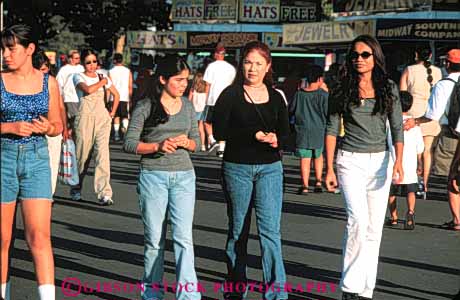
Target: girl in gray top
(365, 98)
(164, 130)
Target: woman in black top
(366, 99)
(252, 117)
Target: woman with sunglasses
(29, 111)
(164, 130)
(92, 127)
(419, 79)
(366, 99)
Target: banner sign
(221, 10)
(259, 11)
(326, 32)
(401, 29)
(451, 5)
(187, 10)
(378, 5)
(202, 40)
(157, 40)
(298, 11)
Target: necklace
(255, 87)
(170, 108)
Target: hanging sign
(228, 39)
(157, 40)
(326, 32)
(187, 10)
(259, 11)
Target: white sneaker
(203, 148)
(105, 201)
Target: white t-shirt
(120, 79)
(219, 74)
(413, 145)
(65, 82)
(78, 78)
(458, 126)
(439, 102)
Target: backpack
(454, 108)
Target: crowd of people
(366, 125)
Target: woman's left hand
(398, 173)
(41, 126)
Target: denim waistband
(28, 146)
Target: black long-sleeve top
(236, 121)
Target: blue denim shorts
(25, 172)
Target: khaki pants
(444, 152)
(92, 133)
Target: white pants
(54, 149)
(365, 182)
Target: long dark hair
(19, 34)
(345, 95)
(423, 55)
(263, 50)
(166, 67)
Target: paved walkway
(102, 247)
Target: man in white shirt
(66, 86)
(438, 109)
(218, 75)
(122, 79)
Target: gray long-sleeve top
(364, 132)
(184, 122)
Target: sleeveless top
(199, 101)
(419, 87)
(16, 108)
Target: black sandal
(303, 190)
(451, 225)
(409, 224)
(318, 187)
(391, 222)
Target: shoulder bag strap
(258, 111)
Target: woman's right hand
(21, 128)
(167, 146)
(331, 181)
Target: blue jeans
(259, 186)
(162, 193)
(25, 171)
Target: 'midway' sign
(157, 40)
(401, 29)
(326, 32)
(259, 11)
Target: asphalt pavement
(99, 250)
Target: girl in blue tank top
(29, 110)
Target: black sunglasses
(90, 62)
(365, 55)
